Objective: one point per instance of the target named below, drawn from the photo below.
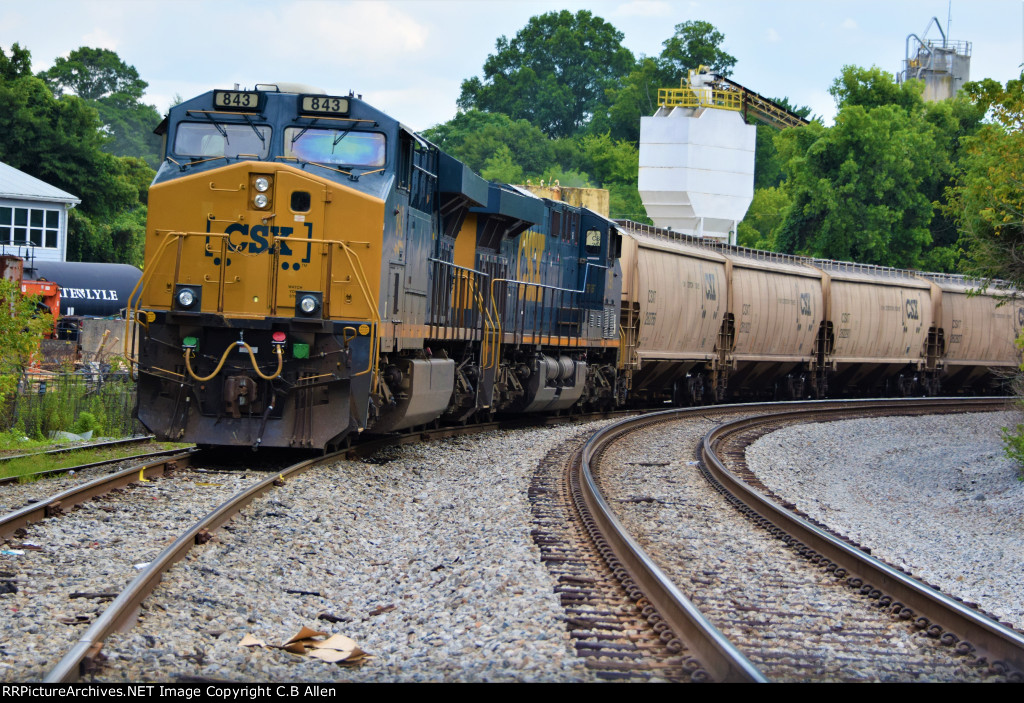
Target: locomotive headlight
(187, 297)
(261, 184)
(260, 200)
(308, 303)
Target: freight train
(314, 269)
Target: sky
(409, 57)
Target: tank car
(316, 269)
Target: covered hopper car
(315, 269)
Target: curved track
(982, 640)
(941, 617)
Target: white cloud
(99, 39)
(350, 29)
(849, 23)
(772, 36)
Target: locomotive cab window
(341, 147)
(593, 243)
(212, 139)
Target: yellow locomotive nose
(254, 235)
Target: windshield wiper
(251, 124)
(304, 130)
(340, 137)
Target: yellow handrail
(702, 97)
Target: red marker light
(278, 337)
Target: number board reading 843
(323, 105)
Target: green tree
(857, 188)
(61, 142)
(474, 137)
(694, 44)
(501, 167)
(22, 326)
(633, 97)
(987, 198)
(19, 63)
(948, 121)
(873, 87)
(553, 73)
(92, 74)
(609, 160)
(871, 188)
(765, 214)
(115, 90)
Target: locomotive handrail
(497, 313)
(473, 294)
(364, 287)
(461, 268)
(139, 285)
(490, 342)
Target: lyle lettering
(88, 293)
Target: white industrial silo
(697, 160)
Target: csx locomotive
(315, 269)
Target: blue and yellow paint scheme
(314, 269)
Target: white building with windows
(33, 217)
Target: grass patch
(49, 462)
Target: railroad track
(973, 655)
(82, 657)
(80, 447)
(624, 635)
(92, 466)
(124, 603)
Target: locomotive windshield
(210, 139)
(335, 146)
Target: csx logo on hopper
(256, 239)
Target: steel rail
(717, 655)
(990, 639)
(123, 608)
(79, 447)
(34, 512)
(81, 467)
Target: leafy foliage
(115, 90)
(19, 63)
(63, 142)
(871, 187)
(553, 73)
(987, 199)
(763, 218)
(695, 44)
(22, 326)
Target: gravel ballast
(425, 559)
(935, 496)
